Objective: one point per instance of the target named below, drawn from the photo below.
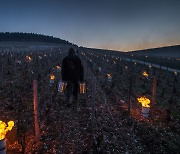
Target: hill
(30, 37)
(170, 51)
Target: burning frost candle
(145, 74)
(145, 106)
(52, 77)
(109, 77)
(58, 68)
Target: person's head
(71, 51)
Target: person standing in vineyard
(72, 73)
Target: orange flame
(4, 128)
(58, 66)
(28, 58)
(145, 74)
(52, 77)
(108, 75)
(144, 101)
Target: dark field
(107, 119)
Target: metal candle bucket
(58, 68)
(51, 81)
(82, 87)
(109, 78)
(3, 146)
(145, 111)
(52, 77)
(62, 87)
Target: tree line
(30, 37)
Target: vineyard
(106, 119)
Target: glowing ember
(145, 74)
(144, 101)
(52, 77)
(4, 128)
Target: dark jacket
(72, 69)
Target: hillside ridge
(30, 37)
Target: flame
(28, 58)
(145, 74)
(108, 75)
(52, 77)
(4, 128)
(144, 101)
(58, 66)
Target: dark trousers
(72, 88)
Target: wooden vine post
(153, 94)
(129, 95)
(36, 114)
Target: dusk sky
(123, 25)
